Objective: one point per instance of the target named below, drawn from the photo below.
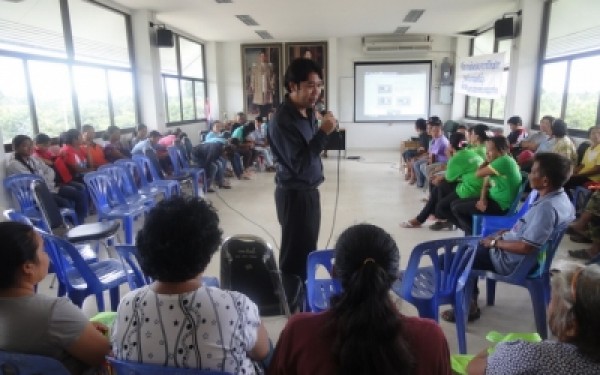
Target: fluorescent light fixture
(401, 29)
(414, 15)
(245, 18)
(264, 34)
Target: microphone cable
(337, 187)
(247, 219)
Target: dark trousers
(464, 209)
(73, 195)
(437, 194)
(299, 214)
(573, 183)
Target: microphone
(322, 109)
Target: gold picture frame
(261, 77)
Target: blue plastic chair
(182, 167)
(537, 282)
(150, 176)
(491, 224)
(124, 180)
(447, 281)
(29, 364)
(111, 204)
(319, 291)
(82, 279)
(121, 367)
(141, 182)
(19, 186)
(477, 219)
(130, 259)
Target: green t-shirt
(505, 182)
(480, 150)
(238, 133)
(461, 167)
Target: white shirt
(208, 329)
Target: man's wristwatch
(493, 242)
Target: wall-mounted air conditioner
(391, 43)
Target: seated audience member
(240, 120)
(34, 323)
(209, 155)
(436, 152)
(114, 149)
(534, 140)
(503, 251)
(410, 155)
(589, 169)
(95, 152)
(517, 134)
(460, 128)
(478, 135)
(587, 228)
(501, 182)
(217, 134)
(71, 195)
(139, 134)
(73, 154)
(176, 321)
(261, 144)
(149, 143)
(563, 145)
(42, 149)
(458, 182)
(363, 332)
(573, 319)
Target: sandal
(580, 254)
(410, 224)
(448, 315)
(439, 225)
(578, 238)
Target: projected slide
(386, 92)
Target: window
(183, 81)
(569, 86)
(53, 80)
(491, 110)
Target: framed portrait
(310, 50)
(261, 75)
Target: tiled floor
(372, 190)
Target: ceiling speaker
(164, 38)
(504, 29)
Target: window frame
(181, 78)
(569, 60)
(70, 63)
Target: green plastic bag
(459, 362)
(107, 318)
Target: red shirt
(73, 157)
(303, 347)
(96, 154)
(43, 154)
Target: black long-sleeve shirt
(296, 143)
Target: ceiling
(299, 20)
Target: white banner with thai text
(481, 76)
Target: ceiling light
(247, 19)
(401, 29)
(264, 34)
(224, 1)
(414, 15)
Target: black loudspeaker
(504, 29)
(164, 38)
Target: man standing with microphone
(296, 142)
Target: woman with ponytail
(363, 332)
